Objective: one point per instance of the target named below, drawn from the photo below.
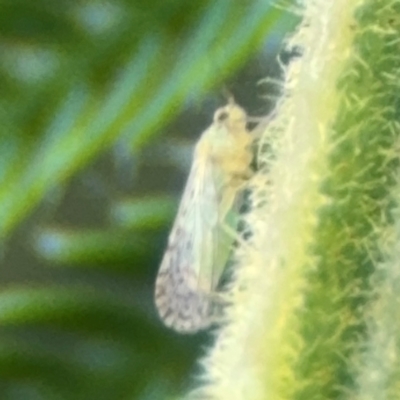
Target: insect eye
(222, 116)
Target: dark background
(101, 104)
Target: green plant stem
(315, 288)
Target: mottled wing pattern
(182, 296)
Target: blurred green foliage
(91, 84)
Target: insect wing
(182, 294)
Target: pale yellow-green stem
(314, 305)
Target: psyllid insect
(194, 259)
